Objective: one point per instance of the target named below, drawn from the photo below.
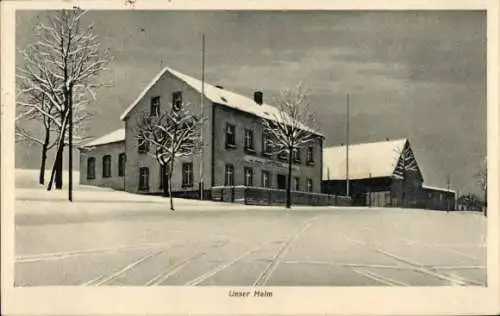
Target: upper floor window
(91, 168)
(249, 146)
(142, 146)
(309, 185)
(248, 176)
(177, 100)
(155, 106)
(310, 154)
(187, 174)
(296, 155)
(283, 155)
(267, 144)
(106, 166)
(229, 175)
(144, 178)
(230, 135)
(122, 158)
(266, 179)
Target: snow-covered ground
(116, 238)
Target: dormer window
(177, 100)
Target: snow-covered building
(384, 173)
(235, 149)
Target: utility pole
(448, 187)
(202, 151)
(347, 147)
(70, 145)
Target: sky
(419, 75)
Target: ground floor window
(144, 178)
(309, 185)
(187, 174)
(229, 175)
(296, 183)
(281, 179)
(248, 176)
(122, 158)
(266, 179)
(91, 168)
(106, 166)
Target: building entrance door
(281, 182)
(164, 179)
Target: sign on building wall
(268, 163)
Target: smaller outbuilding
(383, 174)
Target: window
(155, 106)
(177, 100)
(281, 181)
(187, 174)
(296, 155)
(122, 158)
(230, 136)
(91, 168)
(249, 140)
(267, 145)
(310, 154)
(144, 178)
(266, 179)
(106, 166)
(229, 175)
(309, 185)
(248, 176)
(142, 146)
(283, 155)
(296, 184)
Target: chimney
(258, 97)
(220, 87)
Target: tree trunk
(41, 178)
(59, 170)
(165, 180)
(289, 181)
(57, 162)
(170, 184)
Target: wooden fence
(268, 196)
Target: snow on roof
(437, 188)
(377, 159)
(113, 137)
(219, 96)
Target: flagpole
(347, 146)
(202, 157)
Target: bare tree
(405, 164)
(62, 65)
(35, 108)
(482, 176)
(167, 136)
(287, 129)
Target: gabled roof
(377, 159)
(113, 137)
(216, 95)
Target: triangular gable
(407, 162)
(218, 95)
